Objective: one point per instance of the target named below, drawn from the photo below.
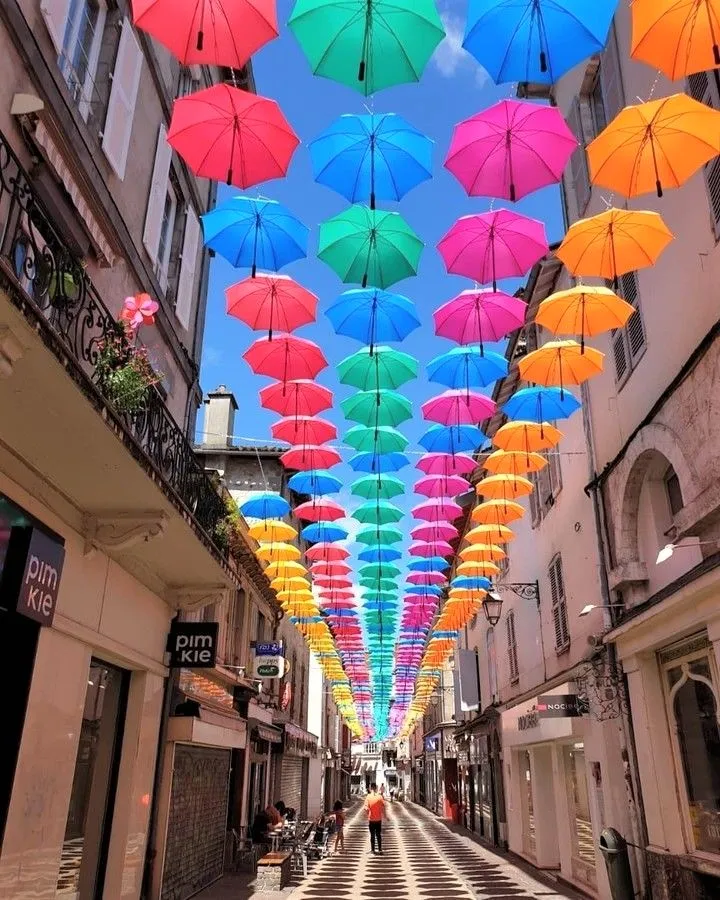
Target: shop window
(528, 804)
(512, 647)
(691, 686)
(559, 604)
(583, 845)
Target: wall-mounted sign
(560, 706)
(37, 596)
(286, 696)
(269, 661)
(193, 645)
(528, 721)
(432, 744)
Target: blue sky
(453, 88)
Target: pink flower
(139, 310)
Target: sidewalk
(241, 887)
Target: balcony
(119, 478)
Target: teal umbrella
(375, 408)
(380, 584)
(382, 439)
(382, 486)
(378, 512)
(379, 534)
(367, 44)
(379, 570)
(380, 368)
(370, 246)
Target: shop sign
(432, 744)
(269, 661)
(193, 645)
(37, 597)
(559, 706)
(529, 720)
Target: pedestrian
(339, 813)
(375, 807)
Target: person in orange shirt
(375, 808)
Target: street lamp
(667, 551)
(492, 607)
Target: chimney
(218, 427)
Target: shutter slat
(158, 193)
(699, 87)
(123, 97)
(611, 77)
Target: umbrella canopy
(510, 150)
(272, 530)
(467, 367)
(285, 357)
(278, 552)
(493, 245)
(459, 408)
(613, 243)
(504, 487)
(231, 135)
(514, 462)
(329, 569)
(438, 530)
(583, 310)
(272, 303)
(372, 315)
(429, 549)
(265, 506)
(380, 554)
(535, 41)
(490, 534)
(482, 552)
(541, 404)
(303, 430)
(298, 397)
(369, 246)
(379, 534)
(367, 46)
(679, 38)
(442, 486)
(285, 568)
(416, 578)
(497, 512)
(326, 552)
(384, 487)
(477, 316)
(382, 439)
(378, 512)
(322, 532)
(655, 145)
(209, 32)
(315, 482)
(307, 457)
(437, 510)
(446, 464)
(452, 439)
(375, 408)
(527, 437)
(430, 564)
(379, 570)
(319, 510)
(378, 462)
(379, 368)
(371, 157)
(561, 363)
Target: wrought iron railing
(62, 298)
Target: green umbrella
(378, 512)
(378, 597)
(383, 486)
(367, 44)
(376, 535)
(383, 368)
(379, 570)
(376, 440)
(373, 408)
(380, 584)
(370, 246)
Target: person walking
(339, 814)
(375, 807)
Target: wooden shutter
(188, 267)
(704, 87)
(158, 193)
(559, 605)
(123, 96)
(578, 161)
(555, 471)
(55, 13)
(534, 501)
(512, 645)
(629, 289)
(611, 77)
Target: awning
(300, 742)
(265, 732)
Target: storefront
(480, 777)
(292, 768)
(265, 740)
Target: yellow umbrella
(561, 363)
(654, 145)
(281, 567)
(480, 553)
(283, 583)
(527, 437)
(295, 594)
(278, 552)
(485, 552)
(583, 310)
(272, 530)
(679, 37)
(514, 462)
(613, 243)
(490, 534)
(497, 512)
(478, 569)
(504, 487)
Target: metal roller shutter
(291, 783)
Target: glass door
(526, 789)
(579, 803)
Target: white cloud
(450, 56)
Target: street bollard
(614, 849)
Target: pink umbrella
(492, 245)
(285, 357)
(319, 509)
(426, 578)
(330, 568)
(459, 408)
(479, 315)
(326, 553)
(446, 464)
(227, 134)
(336, 594)
(333, 583)
(437, 510)
(303, 430)
(272, 303)
(510, 150)
(430, 548)
(434, 531)
(300, 397)
(305, 457)
(442, 486)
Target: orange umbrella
(498, 512)
(613, 243)
(480, 553)
(490, 534)
(528, 437)
(478, 569)
(504, 487)
(679, 37)
(655, 145)
(583, 310)
(514, 462)
(561, 363)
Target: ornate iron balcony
(49, 284)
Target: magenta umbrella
(458, 408)
(430, 548)
(434, 531)
(510, 150)
(437, 510)
(479, 315)
(426, 578)
(446, 464)
(493, 245)
(442, 486)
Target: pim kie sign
(33, 572)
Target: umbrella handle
(200, 39)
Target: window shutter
(635, 327)
(123, 96)
(186, 282)
(555, 471)
(611, 77)
(158, 192)
(557, 592)
(578, 161)
(512, 645)
(534, 502)
(55, 13)
(703, 87)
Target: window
(579, 170)
(673, 491)
(559, 604)
(512, 647)
(705, 88)
(628, 343)
(547, 484)
(371, 748)
(167, 229)
(190, 80)
(80, 50)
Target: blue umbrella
(535, 41)
(426, 590)
(444, 636)
(472, 584)
(429, 564)
(323, 532)
(265, 506)
(541, 404)
(463, 368)
(372, 315)
(452, 438)
(379, 554)
(373, 157)
(256, 234)
(378, 462)
(315, 482)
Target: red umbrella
(226, 134)
(324, 552)
(310, 456)
(328, 569)
(340, 604)
(319, 509)
(332, 583)
(303, 430)
(300, 397)
(209, 32)
(272, 302)
(285, 357)
(336, 594)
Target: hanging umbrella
(514, 462)
(458, 408)
(679, 37)
(452, 439)
(482, 584)
(541, 404)
(583, 310)
(527, 437)
(372, 315)
(493, 245)
(382, 439)
(322, 532)
(379, 570)
(379, 368)
(614, 242)
(284, 568)
(367, 46)
(303, 430)
(298, 397)
(490, 534)
(315, 482)
(504, 487)
(285, 357)
(467, 367)
(446, 464)
(379, 534)
(365, 246)
(272, 303)
(434, 531)
(378, 462)
(655, 145)
(437, 510)
(378, 512)
(424, 578)
(478, 569)
(227, 134)
(510, 150)
(326, 552)
(272, 530)
(535, 41)
(265, 506)
(430, 549)
(497, 512)
(476, 316)
(442, 486)
(208, 32)
(384, 487)
(306, 457)
(319, 510)
(278, 552)
(287, 584)
(375, 408)
(330, 570)
(560, 363)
